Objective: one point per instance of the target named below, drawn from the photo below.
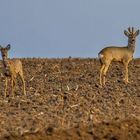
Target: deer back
(116, 53)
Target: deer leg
(6, 80)
(101, 74)
(126, 73)
(104, 72)
(23, 82)
(12, 85)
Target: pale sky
(63, 28)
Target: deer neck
(131, 47)
(5, 62)
(6, 67)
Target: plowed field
(65, 102)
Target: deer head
(131, 34)
(4, 51)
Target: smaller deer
(12, 68)
(121, 54)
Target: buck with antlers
(12, 68)
(121, 54)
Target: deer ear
(137, 32)
(8, 47)
(126, 33)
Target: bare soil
(65, 102)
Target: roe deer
(12, 68)
(115, 53)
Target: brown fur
(12, 68)
(121, 54)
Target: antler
(131, 30)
